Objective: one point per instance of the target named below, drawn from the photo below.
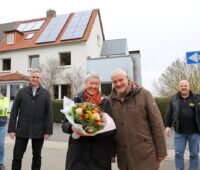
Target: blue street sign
(193, 57)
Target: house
(69, 39)
(62, 44)
(115, 54)
(10, 83)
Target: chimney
(51, 13)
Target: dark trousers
(20, 148)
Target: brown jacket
(140, 135)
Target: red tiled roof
(13, 76)
(22, 43)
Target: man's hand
(46, 136)
(160, 158)
(168, 131)
(12, 135)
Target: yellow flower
(90, 115)
(89, 112)
(96, 116)
(93, 111)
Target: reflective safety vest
(4, 104)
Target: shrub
(57, 106)
(162, 105)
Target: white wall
(20, 59)
(93, 47)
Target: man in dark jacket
(31, 118)
(184, 116)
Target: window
(3, 90)
(34, 61)
(65, 59)
(98, 40)
(10, 38)
(65, 91)
(13, 90)
(30, 36)
(55, 90)
(6, 64)
(106, 88)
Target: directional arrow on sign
(193, 57)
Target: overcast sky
(163, 30)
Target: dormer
(13, 36)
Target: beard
(122, 92)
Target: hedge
(162, 105)
(58, 105)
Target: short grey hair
(118, 71)
(92, 74)
(36, 70)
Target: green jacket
(4, 104)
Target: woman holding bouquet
(89, 152)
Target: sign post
(193, 57)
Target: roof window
(30, 36)
(10, 38)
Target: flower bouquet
(87, 118)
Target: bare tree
(50, 71)
(75, 77)
(167, 84)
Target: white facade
(95, 41)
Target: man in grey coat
(31, 118)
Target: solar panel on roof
(79, 32)
(21, 27)
(30, 26)
(53, 29)
(38, 25)
(77, 26)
